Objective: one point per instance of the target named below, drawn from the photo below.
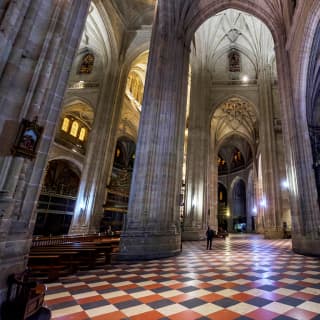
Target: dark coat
(210, 234)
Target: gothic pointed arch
(75, 125)
(57, 199)
(238, 205)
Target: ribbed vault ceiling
(234, 29)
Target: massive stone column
(152, 227)
(91, 195)
(270, 202)
(197, 208)
(298, 70)
(40, 39)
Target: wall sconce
(285, 184)
(254, 210)
(245, 78)
(263, 202)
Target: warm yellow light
(74, 128)
(245, 78)
(82, 134)
(65, 125)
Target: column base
(193, 235)
(305, 246)
(148, 245)
(273, 234)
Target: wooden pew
(69, 256)
(98, 249)
(72, 257)
(46, 264)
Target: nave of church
(243, 277)
(150, 120)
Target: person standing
(209, 234)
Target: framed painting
(27, 139)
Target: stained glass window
(82, 134)
(74, 129)
(65, 125)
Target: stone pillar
(152, 227)
(92, 190)
(196, 213)
(213, 180)
(270, 204)
(40, 39)
(297, 82)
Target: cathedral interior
(150, 121)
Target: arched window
(65, 125)
(86, 66)
(83, 133)
(74, 129)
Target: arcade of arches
(158, 118)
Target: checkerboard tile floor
(243, 277)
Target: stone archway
(238, 208)
(57, 199)
(234, 133)
(223, 207)
(118, 188)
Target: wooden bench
(69, 257)
(97, 249)
(46, 264)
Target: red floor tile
(152, 315)
(90, 299)
(151, 298)
(177, 286)
(242, 297)
(181, 298)
(300, 314)
(185, 315)
(153, 286)
(302, 295)
(212, 297)
(224, 315)
(59, 300)
(127, 287)
(117, 315)
(229, 285)
(262, 314)
(120, 299)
